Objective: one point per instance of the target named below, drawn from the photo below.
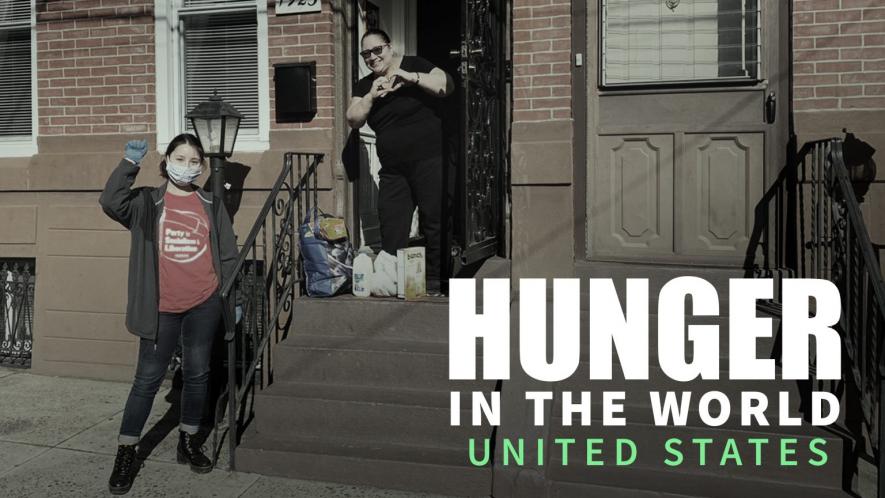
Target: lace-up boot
(125, 467)
(189, 452)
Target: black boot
(189, 452)
(125, 467)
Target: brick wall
(304, 38)
(95, 67)
(95, 64)
(541, 60)
(839, 54)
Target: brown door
(684, 127)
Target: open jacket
(139, 211)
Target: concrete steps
(298, 410)
(764, 345)
(628, 482)
(361, 396)
(382, 464)
(656, 274)
(648, 476)
(372, 318)
(650, 442)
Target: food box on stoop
(411, 273)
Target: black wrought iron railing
(16, 313)
(814, 229)
(268, 279)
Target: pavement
(58, 439)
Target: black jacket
(139, 211)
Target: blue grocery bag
(328, 264)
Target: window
(679, 41)
(204, 46)
(16, 78)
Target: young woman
(397, 102)
(183, 249)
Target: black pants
(403, 186)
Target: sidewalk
(58, 439)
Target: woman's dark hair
(376, 32)
(184, 138)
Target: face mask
(181, 174)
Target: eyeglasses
(373, 51)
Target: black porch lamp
(216, 124)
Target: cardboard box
(411, 282)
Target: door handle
(459, 52)
(771, 108)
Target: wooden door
(684, 127)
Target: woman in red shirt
(183, 248)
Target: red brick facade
(839, 54)
(95, 67)
(305, 38)
(542, 60)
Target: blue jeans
(197, 328)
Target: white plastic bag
(384, 280)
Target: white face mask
(181, 174)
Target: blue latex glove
(239, 313)
(135, 151)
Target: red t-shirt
(187, 276)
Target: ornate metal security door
(481, 165)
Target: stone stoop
(361, 396)
(648, 476)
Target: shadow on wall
(796, 233)
(861, 165)
(235, 175)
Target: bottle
(362, 272)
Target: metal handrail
(817, 231)
(267, 276)
(855, 219)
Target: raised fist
(135, 151)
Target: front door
(467, 40)
(684, 127)
(479, 193)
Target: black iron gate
(482, 148)
(16, 312)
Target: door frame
(404, 17)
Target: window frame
(26, 145)
(664, 85)
(169, 53)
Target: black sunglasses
(373, 51)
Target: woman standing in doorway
(397, 100)
(183, 248)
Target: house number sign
(298, 6)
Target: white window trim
(170, 77)
(26, 145)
